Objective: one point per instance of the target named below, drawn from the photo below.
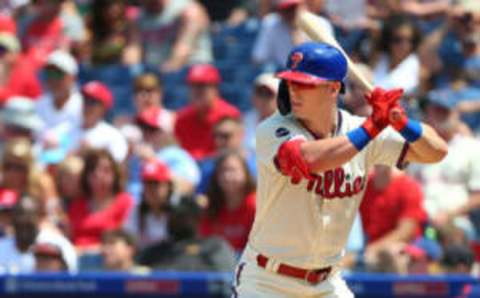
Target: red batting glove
(398, 117)
(290, 162)
(382, 101)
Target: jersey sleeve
(269, 137)
(388, 148)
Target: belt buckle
(312, 277)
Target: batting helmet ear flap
(283, 98)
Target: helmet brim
(300, 77)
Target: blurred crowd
(128, 130)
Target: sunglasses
(264, 92)
(147, 90)
(54, 74)
(401, 39)
(14, 166)
(3, 50)
(91, 102)
(223, 135)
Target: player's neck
(323, 125)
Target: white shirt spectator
(12, 260)
(447, 184)
(70, 112)
(102, 136)
(350, 12)
(405, 75)
(274, 40)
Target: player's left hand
(381, 101)
(290, 162)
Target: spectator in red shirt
(44, 33)
(392, 209)
(17, 77)
(194, 126)
(105, 206)
(231, 196)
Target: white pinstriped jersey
(307, 225)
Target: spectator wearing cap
(16, 256)
(104, 204)
(194, 125)
(94, 131)
(62, 102)
(148, 220)
(265, 89)
(451, 188)
(54, 253)
(173, 33)
(229, 135)
(20, 119)
(281, 24)
(186, 250)
(8, 199)
(392, 209)
(149, 93)
(159, 143)
(17, 77)
(118, 251)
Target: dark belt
(312, 276)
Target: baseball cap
(98, 91)
(9, 41)
(20, 111)
(156, 117)
(284, 4)
(7, 24)
(443, 98)
(155, 170)
(267, 80)
(8, 199)
(63, 61)
(313, 63)
(203, 74)
(56, 245)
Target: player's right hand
(290, 162)
(382, 101)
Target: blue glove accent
(359, 137)
(412, 131)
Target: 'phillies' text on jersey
(334, 184)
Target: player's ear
(334, 87)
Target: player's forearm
(322, 155)
(429, 148)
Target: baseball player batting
(313, 161)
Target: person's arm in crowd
(428, 49)
(424, 9)
(132, 53)
(404, 232)
(194, 21)
(469, 106)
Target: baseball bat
(308, 22)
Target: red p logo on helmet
(295, 59)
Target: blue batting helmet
(311, 63)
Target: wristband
(412, 131)
(359, 137)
